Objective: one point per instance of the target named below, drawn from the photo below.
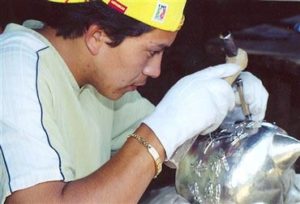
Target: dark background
(205, 20)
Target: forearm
(123, 179)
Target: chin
(114, 98)
(116, 95)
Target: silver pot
(242, 163)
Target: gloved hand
(196, 104)
(256, 96)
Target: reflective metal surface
(242, 163)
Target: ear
(94, 38)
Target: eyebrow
(161, 46)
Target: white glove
(256, 96)
(196, 104)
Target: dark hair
(72, 20)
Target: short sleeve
(26, 155)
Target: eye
(152, 53)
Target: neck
(73, 52)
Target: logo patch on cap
(160, 12)
(117, 6)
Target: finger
(218, 71)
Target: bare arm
(123, 179)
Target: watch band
(152, 151)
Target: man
(69, 102)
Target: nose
(153, 67)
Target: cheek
(135, 62)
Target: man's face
(120, 69)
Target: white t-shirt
(50, 128)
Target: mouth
(140, 84)
(131, 88)
(134, 86)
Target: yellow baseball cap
(162, 14)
